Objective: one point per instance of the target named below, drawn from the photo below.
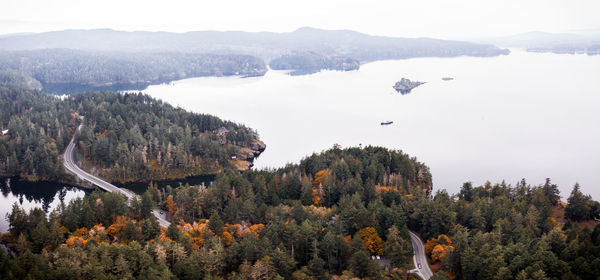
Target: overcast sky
(414, 18)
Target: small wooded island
(404, 86)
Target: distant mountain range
(77, 59)
(587, 41)
(266, 45)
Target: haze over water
(525, 115)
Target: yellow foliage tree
(380, 189)
(227, 238)
(318, 177)
(195, 231)
(429, 245)
(253, 229)
(444, 240)
(317, 192)
(371, 240)
(440, 252)
(162, 237)
(438, 248)
(75, 241)
(316, 196)
(117, 227)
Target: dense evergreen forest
(62, 70)
(125, 137)
(322, 218)
(39, 128)
(325, 217)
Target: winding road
(70, 165)
(421, 269)
(420, 259)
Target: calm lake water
(525, 115)
(48, 195)
(44, 195)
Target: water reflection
(28, 195)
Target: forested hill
(266, 45)
(125, 137)
(65, 71)
(324, 218)
(332, 49)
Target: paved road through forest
(419, 257)
(70, 165)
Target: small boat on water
(447, 78)
(387, 123)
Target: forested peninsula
(323, 218)
(78, 60)
(125, 137)
(64, 71)
(343, 213)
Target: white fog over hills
(266, 45)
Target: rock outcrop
(245, 157)
(404, 86)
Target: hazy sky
(414, 18)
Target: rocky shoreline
(244, 160)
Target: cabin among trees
(222, 132)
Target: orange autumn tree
(227, 238)
(116, 229)
(75, 241)
(81, 231)
(381, 189)
(371, 240)
(253, 229)
(171, 205)
(317, 191)
(440, 252)
(98, 231)
(195, 232)
(438, 248)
